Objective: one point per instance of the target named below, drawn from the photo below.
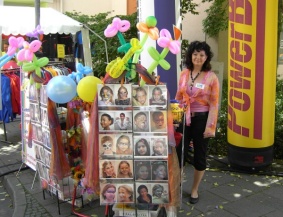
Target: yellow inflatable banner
(252, 66)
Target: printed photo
(37, 152)
(158, 95)
(160, 193)
(125, 169)
(105, 95)
(159, 170)
(158, 121)
(123, 121)
(144, 196)
(44, 117)
(108, 193)
(142, 170)
(142, 146)
(32, 111)
(39, 168)
(123, 94)
(141, 121)
(140, 95)
(47, 157)
(43, 95)
(46, 138)
(159, 147)
(33, 93)
(106, 146)
(124, 144)
(107, 169)
(125, 193)
(106, 119)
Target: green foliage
(217, 18)
(98, 24)
(187, 6)
(278, 135)
(218, 145)
(184, 47)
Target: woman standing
(198, 93)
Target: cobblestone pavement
(34, 208)
(5, 201)
(224, 192)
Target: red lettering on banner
(243, 102)
(240, 12)
(239, 74)
(232, 124)
(240, 51)
(239, 35)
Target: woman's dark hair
(198, 46)
(144, 141)
(141, 187)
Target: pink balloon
(26, 54)
(166, 41)
(14, 45)
(116, 25)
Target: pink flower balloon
(26, 54)
(165, 40)
(116, 25)
(14, 45)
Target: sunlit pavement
(223, 192)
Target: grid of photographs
(116, 146)
(152, 170)
(133, 143)
(114, 95)
(149, 96)
(150, 146)
(116, 193)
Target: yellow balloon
(87, 88)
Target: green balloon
(151, 21)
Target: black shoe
(193, 200)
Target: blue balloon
(4, 59)
(61, 89)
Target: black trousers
(194, 132)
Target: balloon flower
(35, 33)
(116, 28)
(35, 66)
(116, 67)
(81, 72)
(168, 44)
(27, 53)
(149, 30)
(14, 45)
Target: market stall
(82, 155)
(18, 22)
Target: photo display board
(36, 143)
(133, 146)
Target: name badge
(199, 85)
